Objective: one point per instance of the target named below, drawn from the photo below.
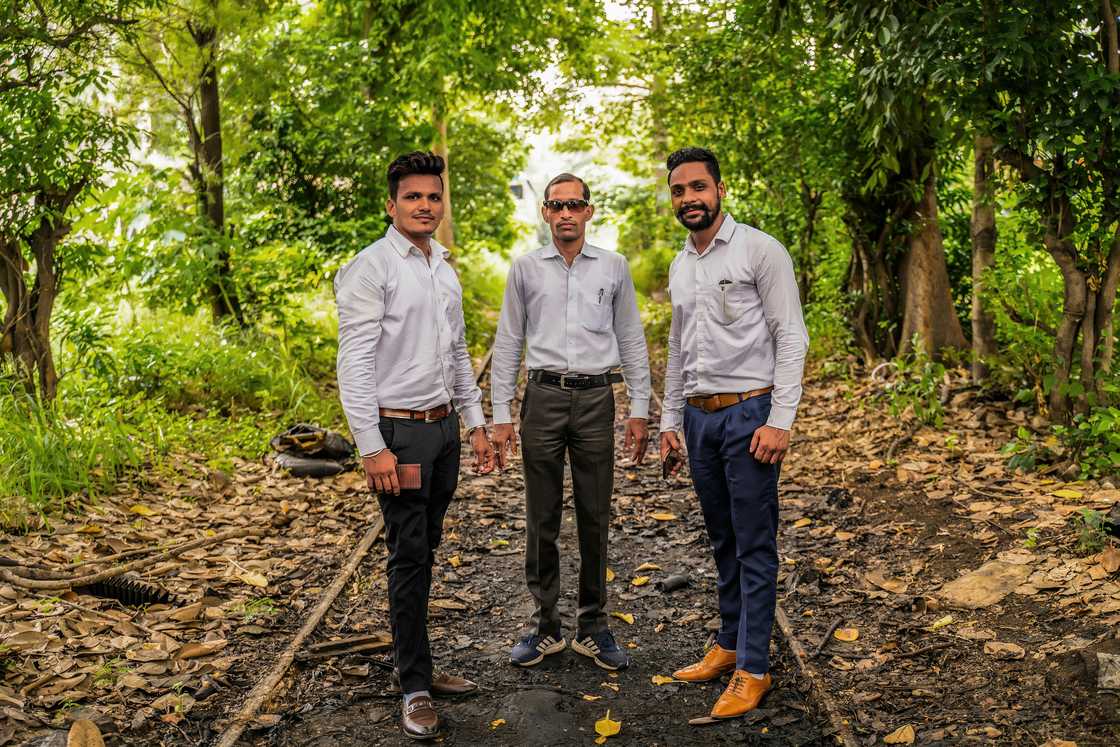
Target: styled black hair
(416, 162)
(566, 177)
(693, 155)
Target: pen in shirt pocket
(601, 291)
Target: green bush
(48, 455)
(1093, 441)
(917, 386)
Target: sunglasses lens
(572, 205)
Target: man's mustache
(686, 208)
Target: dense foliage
(179, 182)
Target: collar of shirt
(403, 246)
(549, 250)
(723, 236)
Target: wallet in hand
(408, 475)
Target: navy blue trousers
(739, 498)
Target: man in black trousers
(405, 378)
(573, 307)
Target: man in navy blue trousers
(737, 346)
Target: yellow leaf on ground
(647, 567)
(846, 634)
(141, 510)
(625, 617)
(605, 727)
(609, 685)
(662, 516)
(253, 578)
(498, 543)
(804, 521)
(610, 575)
(639, 580)
(592, 697)
(941, 622)
(497, 722)
(91, 529)
(1068, 493)
(901, 735)
(660, 679)
(455, 561)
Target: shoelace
(738, 685)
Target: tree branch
(1015, 316)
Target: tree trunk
(25, 336)
(928, 313)
(983, 256)
(224, 302)
(811, 202)
(445, 233)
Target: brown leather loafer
(419, 719)
(742, 695)
(447, 685)
(716, 663)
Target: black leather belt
(574, 381)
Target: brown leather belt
(713, 402)
(428, 416)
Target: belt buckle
(428, 418)
(564, 381)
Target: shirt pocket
(598, 307)
(730, 301)
(451, 305)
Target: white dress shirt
(737, 323)
(581, 319)
(401, 337)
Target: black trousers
(413, 527)
(578, 424)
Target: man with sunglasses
(737, 345)
(572, 306)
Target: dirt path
(878, 516)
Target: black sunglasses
(572, 205)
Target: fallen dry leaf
(901, 735)
(1110, 559)
(84, 733)
(639, 581)
(663, 516)
(141, 510)
(846, 634)
(592, 697)
(1001, 650)
(610, 575)
(647, 567)
(497, 722)
(804, 521)
(660, 679)
(605, 727)
(253, 578)
(1068, 493)
(625, 617)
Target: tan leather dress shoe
(442, 684)
(716, 663)
(743, 694)
(419, 719)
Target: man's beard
(706, 219)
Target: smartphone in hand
(670, 463)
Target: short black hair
(566, 177)
(693, 155)
(416, 162)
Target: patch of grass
(109, 673)
(165, 384)
(258, 607)
(1091, 536)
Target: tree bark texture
(983, 256)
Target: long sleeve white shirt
(581, 319)
(401, 337)
(737, 324)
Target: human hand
(505, 437)
(381, 472)
(769, 444)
